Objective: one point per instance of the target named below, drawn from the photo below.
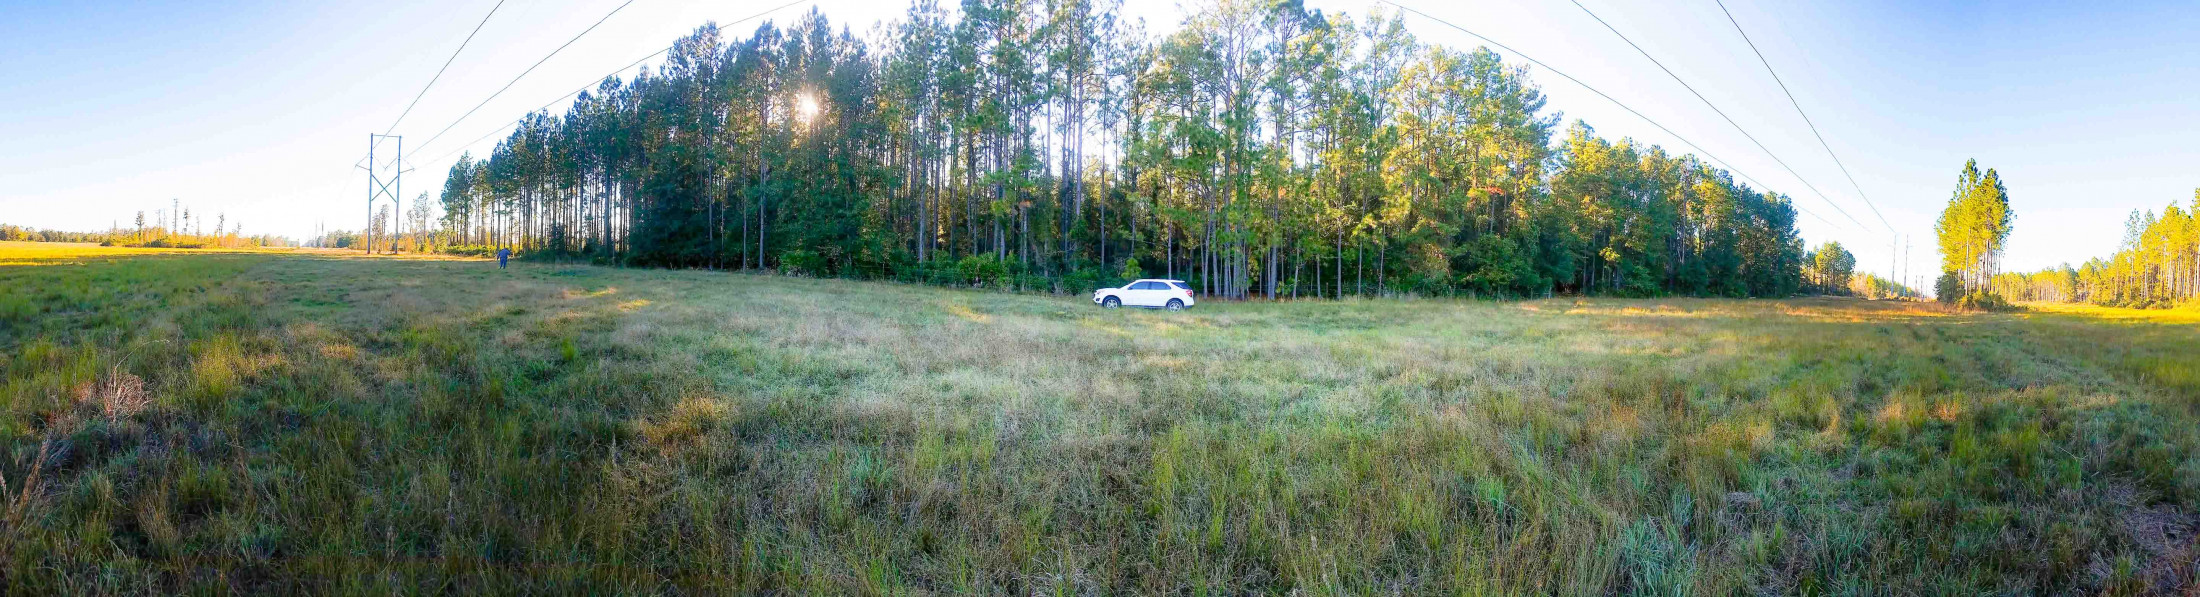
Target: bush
(982, 270)
(469, 250)
(801, 262)
(1084, 280)
(1984, 301)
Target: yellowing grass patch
(2186, 315)
(964, 312)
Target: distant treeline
(1262, 149)
(150, 236)
(10, 232)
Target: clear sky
(259, 110)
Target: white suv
(1163, 294)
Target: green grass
(352, 425)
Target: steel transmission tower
(377, 188)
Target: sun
(806, 107)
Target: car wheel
(1176, 305)
(1111, 302)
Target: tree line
(389, 232)
(10, 232)
(2157, 264)
(173, 230)
(1261, 149)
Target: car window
(1180, 286)
(1144, 286)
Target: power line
(546, 106)
(1608, 97)
(1722, 113)
(530, 69)
(1806, 117)
(446, 66)
(599, 80)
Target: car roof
(1157, 280)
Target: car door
(1141, 294)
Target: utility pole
(1906, 249)
(378, 188)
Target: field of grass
(215, 423)
(28, 253)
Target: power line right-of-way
(1806, 117)
(1615, 101)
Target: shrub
(801, 262)
(468, 250)
(1948, 288)
(1984, 301)
(982, 270)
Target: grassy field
(317, 423)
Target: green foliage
(801, 262)
(1949, 287)
(982, 270)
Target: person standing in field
(503, 255)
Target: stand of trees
(1829, 268)
(1261, 150)
(1973, 230)
(1874, 287)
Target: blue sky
(258, 110)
